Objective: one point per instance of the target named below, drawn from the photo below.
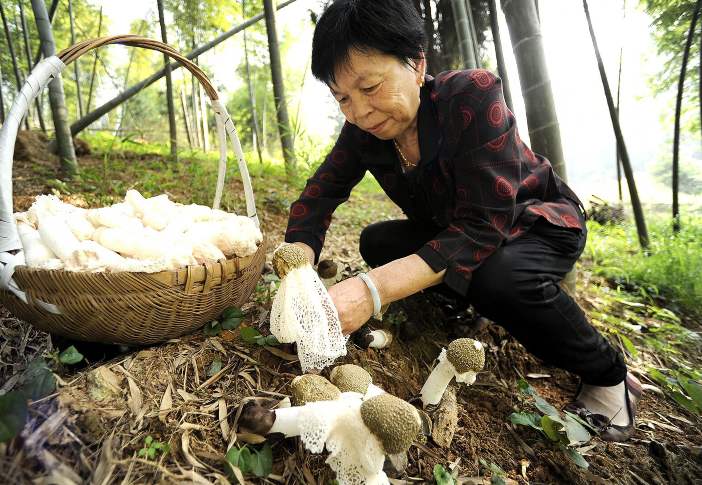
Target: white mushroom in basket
(303, 311)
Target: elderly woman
(487, 218)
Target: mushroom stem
(438, 380)
(287, 421)
(373, 391)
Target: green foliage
(152, 448)
(497, 474)
(252, 336)
(250, 461)
(13, 414)
(230, 319)
(690, 175)
(38, 380)
(682, 386)
(672, 268)
(671, 22)
(442, 475)
(565, 431)
(70, 356)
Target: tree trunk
(92, 73)
(97, 113)
(678, 109)
(279, 89)
(186, 117)
(76, 69)
(169, 86)
(628, 172)
(617, 158)
(252, 96)
(66, 151)
(196, 111)
(25, 34)
(501, 66)
(473, 33)
(203, 118)
(525, 34)
(2, 101)
(11, 49)
(52, 11)
(460, 17)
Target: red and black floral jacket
(477, 182)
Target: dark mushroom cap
(393, 421)
(466, 355)
(311, 388)
(327, 268)
(288, 257)
(350, 377)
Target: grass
(672, 269)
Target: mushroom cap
(350, 377)
(287, 257)
(311, 388)
(466, 355)
(393, 421)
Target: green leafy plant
(152, 448)
(252, 336)
(250, 461)
(13, 414)
(566, 431)
(230, 319)
(497, 474)
(70, 356)
(442, 475)
(215, 367)
(682, 386)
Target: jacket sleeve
(486, 173)
(311, 214)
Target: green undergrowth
(671, 271)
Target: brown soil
(93, 427)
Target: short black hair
(393, 27)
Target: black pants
(517, 288)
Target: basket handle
(51, 67)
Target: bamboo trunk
(252, 97)
(92, 72)
(52, 12)
(473, 33)
(186, 117)
(13, 57)
(499, 55)
(628, 171)
(279, 90)
(525, 34)
(76, 69)
(169, 87)
(678, 110)
(465, 44)
(196, 112)
(66, 151)
(2, 101)
(25, 35)
(205, 124)
(97, 113)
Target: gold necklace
(403, 159)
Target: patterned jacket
(477, 183)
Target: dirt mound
(32, 146)
(35, 146)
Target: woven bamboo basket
(128, 308)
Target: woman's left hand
(353, 302)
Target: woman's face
(378, 93)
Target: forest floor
(167, 413)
